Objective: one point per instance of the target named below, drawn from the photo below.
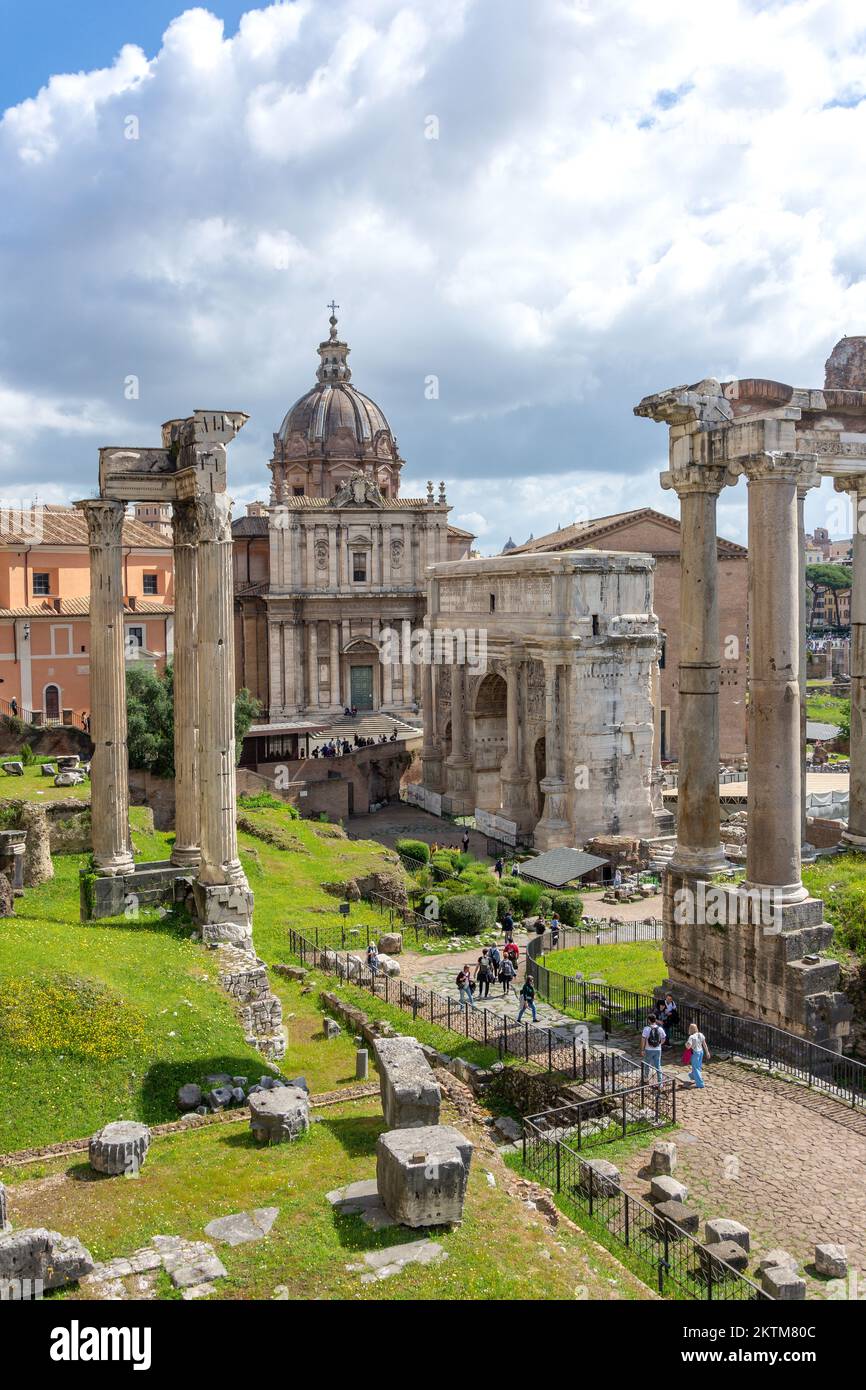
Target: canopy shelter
(558, 867)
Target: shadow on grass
(82, 1172)
(356, 1134)
(354, 1234)
(163, 1080)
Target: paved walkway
(789, 1163)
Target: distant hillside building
(45, 609)
(656, 534)
(336, 558)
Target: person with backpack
(495, 960)
(465, 842)
(651, 1043)
(554, 929)
(508, 926)
(512, 953)
(527, 995)
(697, 1045)
(483, 975)
(373, 959)
(498, 867)
(463, 989)
(506, 975)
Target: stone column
(223, 897)
(109, 780)
(332, 556)
(335, 666)
(408, 668)
(313, 664)
(186, 852)
(513, 779)
(855, 835)
(802, 663)
(774, 819)
(387, 695)
(458, 764)
(431, 757)
(553, 828)
(699, 850)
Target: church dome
(334, 418)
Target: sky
(532, 213)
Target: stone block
(777, 1259)
(362, 1064)
(225, 913)
(388, 966)
(242, 1227)
(391, 943)
(120, 1147)
(189, 1096)
(663, 1159)
(721, 1253)
(674, 1219)
(13, 769)
(410, 1092)
(331, 1028)
(36, 1256)
(666, 1189)
(279, 1115)
(783, 1283)
(422, 1174)
(4, 1208)
(721, 1229)
(600, 1177)
(832, 1261)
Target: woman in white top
(698, 1045)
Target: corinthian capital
(703, 404)
(104, 520)
(184, 523)
(801, 469)
(705, 478)
(213, 512)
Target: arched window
(52, 702)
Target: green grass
(635, 965)
(495, 1254)
(827, 709)
(841, 882)
(34, 787)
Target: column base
(699, 862)
(852, 841)
(459, 778)
(225, 913)
(186, 857)
(515, 800)
(112, 867)
(781, 894)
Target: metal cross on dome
(332, 306)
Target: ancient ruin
(539, 691)
(764, 958)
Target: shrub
(27, 756)
(445, 859)
(468, 914)
(568, 908)
(526, 896)
(261, 801)
(414, 849)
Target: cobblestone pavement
(789, 1163)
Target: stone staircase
(368, 725)
(661, 851)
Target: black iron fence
(605, 1118)
(842, 1078)
(680, 1266)
(555, 1050)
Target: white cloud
(613, 204)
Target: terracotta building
(647, 530)
(336, 559)
(45, 603)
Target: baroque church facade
(336, 560)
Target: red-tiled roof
(53, 525)
(579, 535)
(80, 608)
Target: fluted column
(187, 816)
(855, 835)
(313, 664)
(458, 764)
(431, 757)
(699, 849)
(109, 780)
(802, 659)
(513, 780)
(774, 816)
(335, 665)
(553, 828)
(216, 694)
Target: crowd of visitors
(340, 747)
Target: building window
(41, 584)
(493, 603)
(595, 626)
(135, 637)
(359, 566)
(151, 585)
(298, 491)
(663, 641)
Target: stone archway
(488, 739)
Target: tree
(150, 719)
(827, 578)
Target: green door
(362, 686)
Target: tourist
(527, 995)
(506, 974)
(697, 1045)
(515, 870)
(498, 867)
(512, 953)
(554, 929)
(495, 960)
(617, 879)
(651, 1043)
(483, 975)
(670, 1016)
(373, 959)
(465, 841)
(393, 735)
(465, 993)
(508, 926)
(13, 705)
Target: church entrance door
(362, 686)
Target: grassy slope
(34, 787)
(163, 986)
(637, 965)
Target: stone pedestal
(109, 789)
(410, 1092)
(35, 1259)
(279, 1115)
(120, 1148)
(13, 845)
(422, 1174)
